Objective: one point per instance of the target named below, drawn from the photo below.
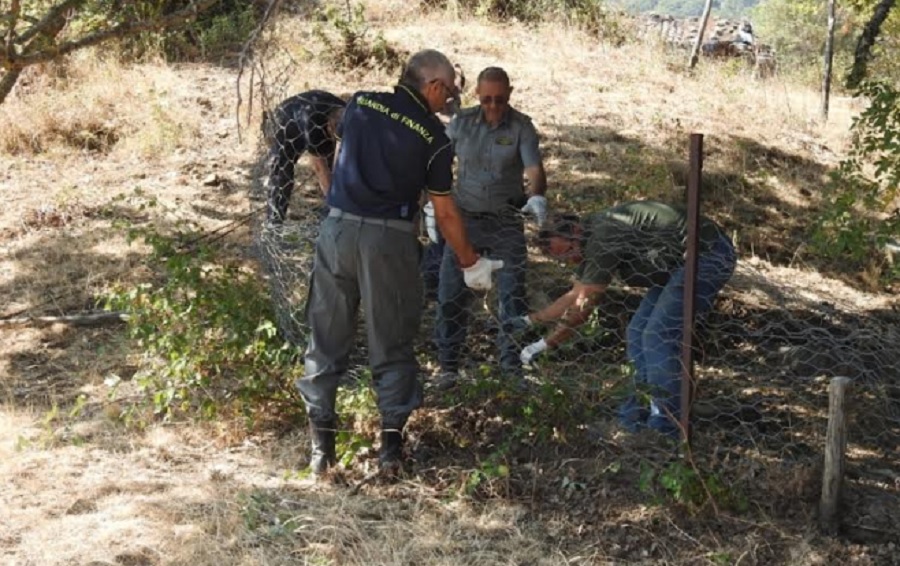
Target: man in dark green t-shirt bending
(643, 244)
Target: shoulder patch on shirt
(504, 140)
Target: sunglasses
(496, 100)
(449, 90)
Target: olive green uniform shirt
(492, 160)
(641, 242)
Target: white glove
(531, 351)
(537, 205)
(430, 222)
(478, 275)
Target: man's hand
(536, 205)
(517, 324)
(478, 275)
(532, 351)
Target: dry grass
(82, 489)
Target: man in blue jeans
(643, 243)
(496, 147)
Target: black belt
(403, 225)
(508, 214)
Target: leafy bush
(592, 15)
(683, 483)
(216, 31)
(797, 30)
(861, 212)
(205, 331)
(346, 43)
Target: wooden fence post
(835, 445)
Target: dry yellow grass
(84, 490)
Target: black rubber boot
(323, 454)
(390, 456)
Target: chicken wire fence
(764, 354)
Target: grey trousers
(360, 260)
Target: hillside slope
(86, 152)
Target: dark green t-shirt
(641, 242)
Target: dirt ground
(81, 487)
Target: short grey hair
(494, 74)
(425, 66)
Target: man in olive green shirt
(643, 244)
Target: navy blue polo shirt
(392, 148)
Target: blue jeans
(654, 338)
(497, 237)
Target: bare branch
(84, 319)
(124, 29)
(247, 55)
(52, 19)
(8, 81)
(14, 11)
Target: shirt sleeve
(439, 178)
(339, 131)
(601, 257)
(453, 128)
(529, 145)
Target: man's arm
(537, 179)
(530, 153)
(323, 173)
(572, 310)
(450, 223)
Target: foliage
(592, 15)
(862, 212)
(355, 400)
(346, 42)
(206, 334)
(42, 31)
(884, 45)
(797, 30)
(685, 484)
(226, 24)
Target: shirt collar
(415, 95)
(504, 120)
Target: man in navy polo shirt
(304, 122)
(392, 147)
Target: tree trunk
(829, 57)
(8, 81)
(866, 42)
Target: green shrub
(861, 214)
(206, 335)
(347, 43)
(215, 33)
(591, 15)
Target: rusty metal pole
(695, 177)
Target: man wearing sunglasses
(392, 148)
(497, 150)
